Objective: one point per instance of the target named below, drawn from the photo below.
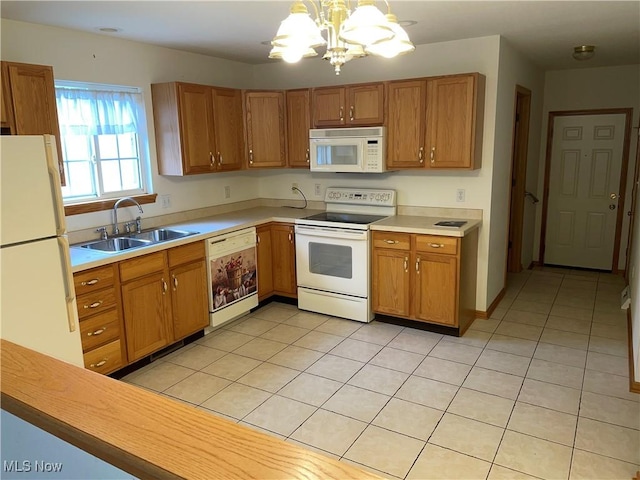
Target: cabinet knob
(341, 114)
(391, 242)
(220, 160)
(94, 304)
(250, 156)
(406, 264)
(97, 332)
(436, 245)
(433, 154)
(175, 282)
(418, 265)
(93, 281)
(351, 112)
(306, 155)
(164, 286)
(421, 154)
(211, 160)
(99, 364)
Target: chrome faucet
(116, 231)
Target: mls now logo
(28, 466)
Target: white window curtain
(91, 112)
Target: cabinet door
(390, 282)
(436, 288)
(32, 102)
(405, 124)
(366, 105)
(228, 123)
(146, 313)
(189, 301)
(266, 138)
(329, 107)
(284, 259)
(196, 128)
(451, 122)
(298, 124)
(265, 252)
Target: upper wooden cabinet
(435, 122)
(265, 127)
(298, 125)
(352, 105)
(29, 103)
(198, 128)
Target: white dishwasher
(233, 280)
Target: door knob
(613, 196)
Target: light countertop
(84, 259)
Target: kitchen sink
(135, 240)
(116, 244)
(161, 235)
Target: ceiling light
(584, 52)
(349, 35)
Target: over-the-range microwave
(345, 150)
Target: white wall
(97, 58)
(587, 89)
(514, 69)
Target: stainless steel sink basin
(161, 235)
(116, 244)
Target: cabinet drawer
(96, 302)
(99, 329)
(393, 240)
(141, 266)
(437, 244)
(186, 253)
(104, 359)
(94, 279)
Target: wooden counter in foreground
(145, 434)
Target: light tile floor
(539, 390)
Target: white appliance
(37, 296)
(345, 150)
(333, 252)
(233, 275)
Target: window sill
(107, 204)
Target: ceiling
(544, 31)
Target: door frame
(519, 157)
(632, 209)
(628, 112)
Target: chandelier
(355, 34)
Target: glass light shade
(366, 25)
(355, 51)
(584, 52)
(299, 30)
(291, 54)
(398, 45)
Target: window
(103, 136)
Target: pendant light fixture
(349, 35)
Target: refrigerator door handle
(72, 312)
(54, 177)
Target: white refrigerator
(37, 296)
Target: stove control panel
(361, 196)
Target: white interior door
(584, 182)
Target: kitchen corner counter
(425, 225)
(84, 259)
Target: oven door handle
(331, 233)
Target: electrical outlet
(460, 195)
(227, 191)
(294, 185)
(318, 190)
(165, 201)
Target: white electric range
(333, 252)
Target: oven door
(333, 259)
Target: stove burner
(355, 218)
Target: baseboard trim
(492, 307)
(633, 385)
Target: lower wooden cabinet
(276, 260)
(425, 278)
(133, 308)
(101, 328)
(164, 298)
